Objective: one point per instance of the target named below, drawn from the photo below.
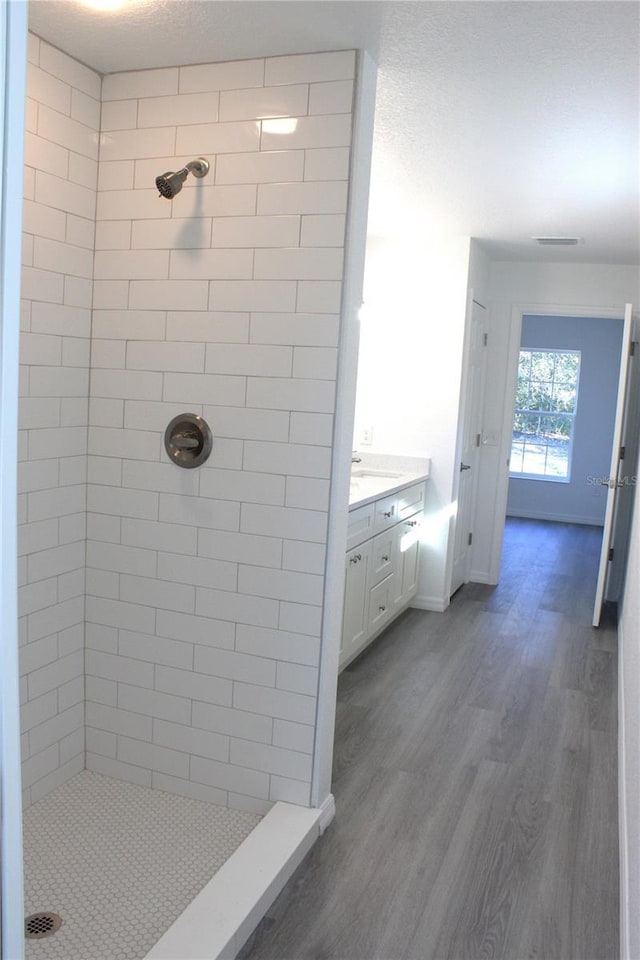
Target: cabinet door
(356, 598)
(381, 607)
(408, 558)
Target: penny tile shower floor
(119, 863)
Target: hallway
(475, 779)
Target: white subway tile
(46, 157)
(111, 442)
(224, 201)
(156, 593)
(105, 470)
(211, 264)
(72, 584)
(327, 163)
(60, 319)
(161, 650)
(51, 563)
(119, 668)
(256, 232)
(151, 756)
(42, 285)
(55, 503)
(319, 230)
(78, 292)
(153, 535)
(116, 613)
(85, 109)
(275, 521)
(120, 771)
(104, 528)
(278, 166)
(108, 354)
(73, 472)
(293, 736)
(287, 394)
(121, 558)
(304, 557)
(250, 295)
(34, 712)
(234, 75)
(38, 412)
(39, 535)
(289, 791)
(307, 493)
(55, 674)
(115, 175)
(104, 638)
(168, 294)
(298, 329)
(301, 618)
(311, 197)
(154, 703)
(62, 257)
(140, 83)
(43, 221)
(203, 630)
(274, 703)
(314, 263)
(83, 171)
(174, 234)
(271, 759)
(336, 96)
(185, 108)
(37, 474)
(128, 324)
(242, 485)
(297, 678)
(319, 296)
(33, 48)
(39, 348)
(163, 477)
(80, 232)
(302, 460)
(204, 138)
(204, 388)
(40, 765)
(234, 666)
(28, 182)
(311, 133)
(119, 115)
(313, 428)
(67, 132)
(201, 743)
(280, 584)
(122, 502)
(310, 67)
(202, 326)
(226, 776)
(185, 788)
(320, 363)
(149, 355)
(114, 234)
(27, 250)
(198, 571)
(58, 382)
(232, 722)
(256, 104)
(240, 548)
(115, 720)
(131, 265)
(126, 384)
(101, 742)
(194, 686)
(102, 583)
(34, 655)
(110, 294)
(124, 204)
(248, 359)
(236, 607)
(66, 68)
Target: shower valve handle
(185, 441)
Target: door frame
(518, 311)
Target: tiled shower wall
(204, 587)
(61, 152)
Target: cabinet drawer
(381, 605)
(386, 513)
(383, 556)
(360, 524)
(411, 500)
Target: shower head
(170, 183)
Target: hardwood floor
(475, 779)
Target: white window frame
(548, 478)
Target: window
(546, 403)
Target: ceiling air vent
(557, 241)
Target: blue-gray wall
(579, 501)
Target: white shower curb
(219, 920)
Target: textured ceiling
(502, 120)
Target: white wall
(61, 169)
(581, 499)
(539, 285)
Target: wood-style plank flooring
(475, 779)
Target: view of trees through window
(546, 403)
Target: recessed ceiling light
(557, 241)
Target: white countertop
(377, 475)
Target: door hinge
(470, 539)
(477, 439)
(622, 452)
(485, 339)
(611, 554)
(632, 349)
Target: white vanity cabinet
(381, 565)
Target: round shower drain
(39, 925)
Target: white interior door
(469, 445)
(614, 470)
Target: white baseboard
(554, 517)
(622, 810)
(327, 812)
(217, 923)
(481, 576)
(437, 604)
